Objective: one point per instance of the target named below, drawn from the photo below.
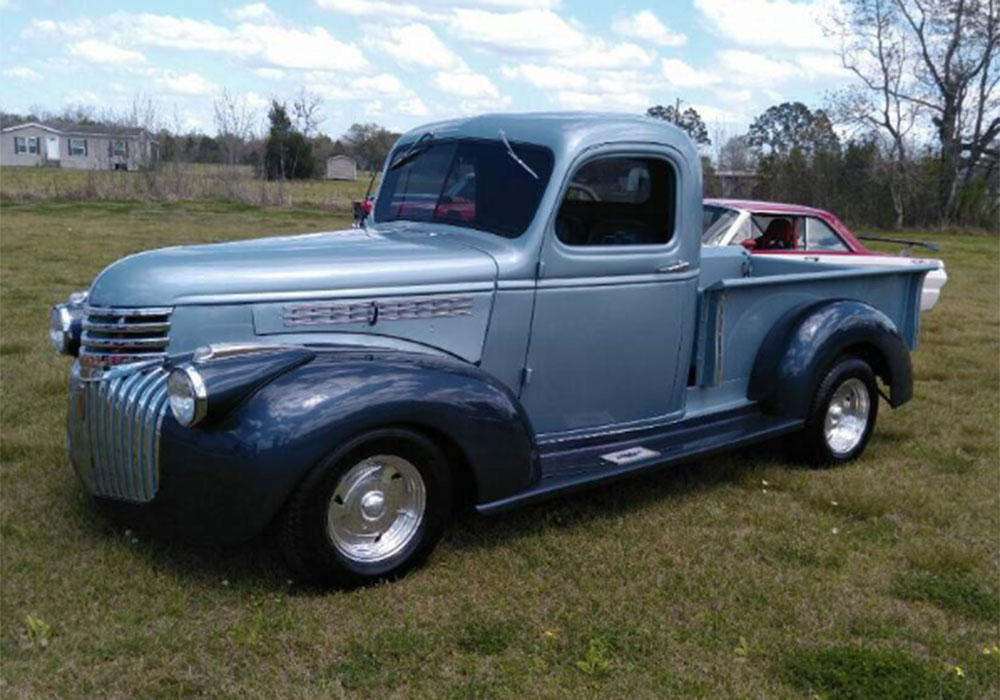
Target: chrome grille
(125, 411)
(125, 335)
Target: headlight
(188, 396)
(64, 329)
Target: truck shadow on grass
(258, 564)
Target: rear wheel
(843, 413)
(372, 512)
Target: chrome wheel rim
(847, 416)
(376, 508)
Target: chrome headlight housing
(187, 395)
(66, 324)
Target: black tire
(815, 448)
(304, 537)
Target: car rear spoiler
(906, 243)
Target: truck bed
(742, 296)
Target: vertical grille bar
(124, 413)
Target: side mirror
(361, 209)
(748, 243)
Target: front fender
(244, 465)
(802, 345)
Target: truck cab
(527, 310)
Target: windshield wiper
(510, 152)
(412, 152)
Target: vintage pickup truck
(527, 310)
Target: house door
(614, 300)
(52, 148)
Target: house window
(78, 147)
(25, 144)
(119, 149)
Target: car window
(466, 182)
(715, 223)
(819, 236)
(618, 201)
(775, 232)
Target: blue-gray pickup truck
(527, 309)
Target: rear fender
(804, 343)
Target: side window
(618, 201)
(819, 236)
(775, 232)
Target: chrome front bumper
(113, 427)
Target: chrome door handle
(676, 267)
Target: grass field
(176, 181)
(738, 576)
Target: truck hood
(319, 264)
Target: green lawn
(737, 576)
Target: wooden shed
(341, 168)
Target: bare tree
(305, 112)
(234, 122)
(142, 113)
(933, 58)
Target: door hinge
(526, 376)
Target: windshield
(467, 182)
(715, 223)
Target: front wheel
(372, 512)
(843, 413)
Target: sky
(401, 63)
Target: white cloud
(74, 29)
(368, 8)
(466, 84)
(255, 11)
(680, 74)
(821, 65)
(647, 26)
(95, 51)
(255, 100)
(413, 45)
(544, 77)
(383, 83)
(22, 73)
(82, 97)
(413, 107)
(269, 73)
(750, 69)
(295, 48)
(185, 83)
(529, 31)
(717, 115)
(481, 106)
(278, 47)
(770, 23)
(177, 33)
(599, 54)
(427, 9)
(627, 101)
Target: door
(614, 299)
(52, 148)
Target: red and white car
(769, 228)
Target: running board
(580, 466)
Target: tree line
(912, 140)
